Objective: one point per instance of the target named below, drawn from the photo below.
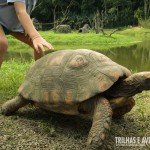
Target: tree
(146, 9)
(113, 13)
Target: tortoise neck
(130, 86)
(124, 88)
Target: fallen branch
(113, 32)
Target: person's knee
(3, 45)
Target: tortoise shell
(70, 76)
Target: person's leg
(3, 44)
(25, 39)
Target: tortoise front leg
(101, 123)
(13, 105)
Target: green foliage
(78, 12)
(44, 8)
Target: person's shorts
(6, 31)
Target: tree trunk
(54, 13)
(97, 22)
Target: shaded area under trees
(76, 13)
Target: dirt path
(31, 128)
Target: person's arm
(38, 42)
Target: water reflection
(136, 57)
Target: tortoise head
(137, 83)
(134, 84)
(143, 78)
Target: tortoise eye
(78, 62)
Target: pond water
(136, 57)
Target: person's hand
(39, 43)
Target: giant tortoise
(81, 82)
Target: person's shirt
(8, 16)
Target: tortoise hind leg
(101, 124)
(13, 105)
(121, 106)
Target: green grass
(12, 74)
(88, 40)
(137, 33)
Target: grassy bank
(88, 40)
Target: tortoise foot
(13, 105)
(101, 125)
